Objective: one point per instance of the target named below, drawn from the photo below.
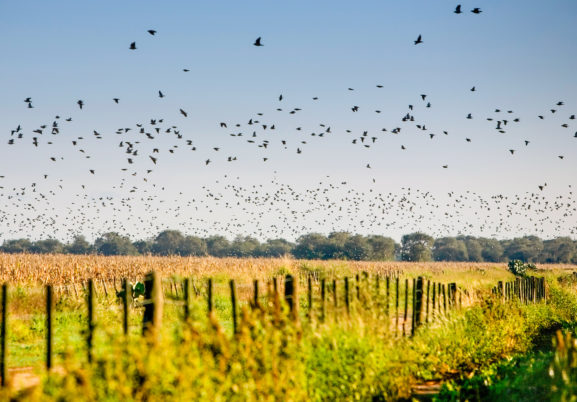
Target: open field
(359, 347)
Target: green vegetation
(416, 247)
(477, 351)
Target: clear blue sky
(519, 56)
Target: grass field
(469, 352)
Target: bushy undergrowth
(548, 371)
(344, 358)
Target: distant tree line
(337, 245)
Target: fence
(527, 289)
(407, 303)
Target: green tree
(416, 247)
(335, 246)
(526, 249)
(218, 246)
(16, 246)
(79, 245)
(144, 247)
(474, 248)
(450, 249)
(382, 248)
(357, 248)
(194, 246)
(244, 246)
(559, 250)
(275, 248)
(112, 243)
(491, 249)
(168, 242)
(311, 246)
(48, 246)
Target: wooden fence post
(413, 308)
(255, 302)
(291, 296)
(427, 309)
(387, 285)
(444, 300)
(418, 302)
(3, 334)
(434, 301)
(396, 306)
(406, 304)
(49, 306)
(125, 293)
(310, 297)
(335, 299)
(233, 303)
(323, 297)
(186, 297)
(209, 296)
(90, 334)
(453, 301)
(347, 302)
(152, 317)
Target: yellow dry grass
(34, 269)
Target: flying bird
(257, 42)
(476, 10)
(419, 40)
(133, 46)
(151, 31)
(458, 10)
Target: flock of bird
(332, 204)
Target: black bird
(133, 46)
(257, 42)
(419, 40)
(458, 10)
(186, 70)
(512, 151)
(151, 31)
(473, 89)
(476, 10)
(115, 100)
(446, 166)
(80, 103)
(160, 94)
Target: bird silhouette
(133, 46)
(257, 42)
(419, 40)
(458, 9)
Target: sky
(520, 56)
